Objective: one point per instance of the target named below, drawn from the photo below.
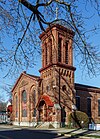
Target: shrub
(78, 119)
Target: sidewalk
(78, 133)
(81, 133)
(73, 133)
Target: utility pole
(59, 86)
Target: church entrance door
(42, 111)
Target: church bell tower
(57, 70)
(57, 46)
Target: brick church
(52, 96)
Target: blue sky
(93, 20)
(80, 76)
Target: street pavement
(78, 133)
(16, 132)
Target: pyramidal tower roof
(63, 23)
(60, 24)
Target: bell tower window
(46, 54)
(59, 49)
(66, 53)
(50, 51)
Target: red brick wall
(94, 95)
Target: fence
(3, 117)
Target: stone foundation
(28, 124)
(39, 124)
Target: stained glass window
(34, 98)
(24, 96)
(16, 106)
(24, 113)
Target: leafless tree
(22, 21)
(2, 106)
(5, 92)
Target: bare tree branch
(22, 23)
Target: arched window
(50, 51)
(16, 106)
(24, 101)
(34, 103)
(66, 53)
(24, 96)
(34, 98)
(46, 62)
(59, 49)
(64, 88)
(43, 57)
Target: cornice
(58, 65)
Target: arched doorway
(42, 108)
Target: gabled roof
(27, 75)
